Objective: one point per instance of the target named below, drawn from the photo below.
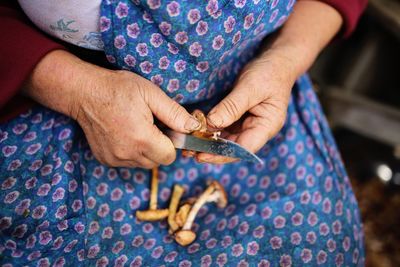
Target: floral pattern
(61, 207)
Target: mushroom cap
(223, 199)
(185, 237)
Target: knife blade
(218, 146)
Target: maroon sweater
(22, 46)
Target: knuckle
(174, 113)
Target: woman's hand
(114, 108)
(255, 110)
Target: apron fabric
(61, 207)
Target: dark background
(358, 81)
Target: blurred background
(358, 81)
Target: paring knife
(218, 146)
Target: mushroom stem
(181, 215)
(152, 215)
(173, 206)
(214, 193)
(154, 189)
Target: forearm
(308, 30)
(60, 80)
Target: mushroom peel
(182, 214)
(173, 206)
(214, 193)
(153, 214)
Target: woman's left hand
(255, 110)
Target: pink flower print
(339, 259)
(107, 233)
(237, 250)
(141, 48)
(146, 67)
(305, 197)
(93, 251)
(139, 177)
(311, 237)
(121, 10)
(336, 227)
(259, 231)
(170, 257)
(130, 60)
(185, 263)
(125, 229)
(19, 128)
(8, 183)
(63, 225)
(252, 248)
(295, 238)
(79, 228)
(116, 194)
(93, 227)
(279, 222)
(244, 198)
(3, 136)
(250, 210)
(218, 42)
(355, 255)
(70, 246)
(137, 241)
(328, 184)
(243, 228)
(321, 257)
(154, 4)
(39, 212)
(173, 9)
(297, 219)
(29, 137)
(60, 262)
(157, 79)
(339, 208)
(173, 48)
(91, 202)
(103, 210)
(221, 225)
(222, 259)
(45, 237)
(206, 261)
(324, 229)
(312, 219)
(102, 189)
(202, 66)
(226, 241)
(285, 261)
(178, 98)
(104, 24)
(212, 6)
(276, 242)
(165, 28)
(240, 3)
(181, 37)
(20, 231)
(149, 244)
(157, 252)
(30, 241)
(137, 262)
(34, 255)
(43, 262)
(211, 243)
(195, 49)
(331, 244)
(9, 150)
(23, 206)
(163, 63)
(192, 85)
(118, 215)
(202, 28)
(119, 42)
(58, 194)
(72, 185)
(266, 213)
(10, 244)
(204, 235)
(31, 183)
(118, 247)
(76, 205)
(61, 212)
(193, 16)
(156, 39)
(173, 85)
(229, 24)
(306, 255)
(248, 21)
(102, 262)
(280, 179)
(326, 205)
(274, 3)
(32, 149)
(134, 203)
(180, 66)
(236, 38)
(147, 17)
(133, 30)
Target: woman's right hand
(114, 108)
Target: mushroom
(153, 214)
(173, 206)
(214, 193)
(182, 214)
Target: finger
(159, 147)
(234, 105)
(171, 113)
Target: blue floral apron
(61, 207)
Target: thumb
(171, 113)
(233, 106)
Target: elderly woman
(74, 168)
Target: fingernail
(192, 124)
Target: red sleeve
(21, 48)
(350, 10)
